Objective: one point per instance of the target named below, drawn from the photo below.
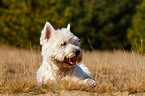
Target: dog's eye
(63, 44)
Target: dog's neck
(62, 68)
(59, 68)
(62, 72)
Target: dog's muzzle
(73, 60)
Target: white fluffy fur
(55, 51)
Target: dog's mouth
(71, 61)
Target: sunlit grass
(116, 71)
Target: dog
(61, 52)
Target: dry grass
(118, 72)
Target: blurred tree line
(100, 24)
(136, 34)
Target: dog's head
(61, 46)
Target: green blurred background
(100, 24)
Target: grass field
(118, 72)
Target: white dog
(61, 51)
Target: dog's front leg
(91, 82)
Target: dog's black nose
(77, 52)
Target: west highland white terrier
(61, 52)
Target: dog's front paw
(95, 83)
(91, 82)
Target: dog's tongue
(73, 62)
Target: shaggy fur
(61, 51)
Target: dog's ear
(68, 27)
(46, 33)
(48, 29)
